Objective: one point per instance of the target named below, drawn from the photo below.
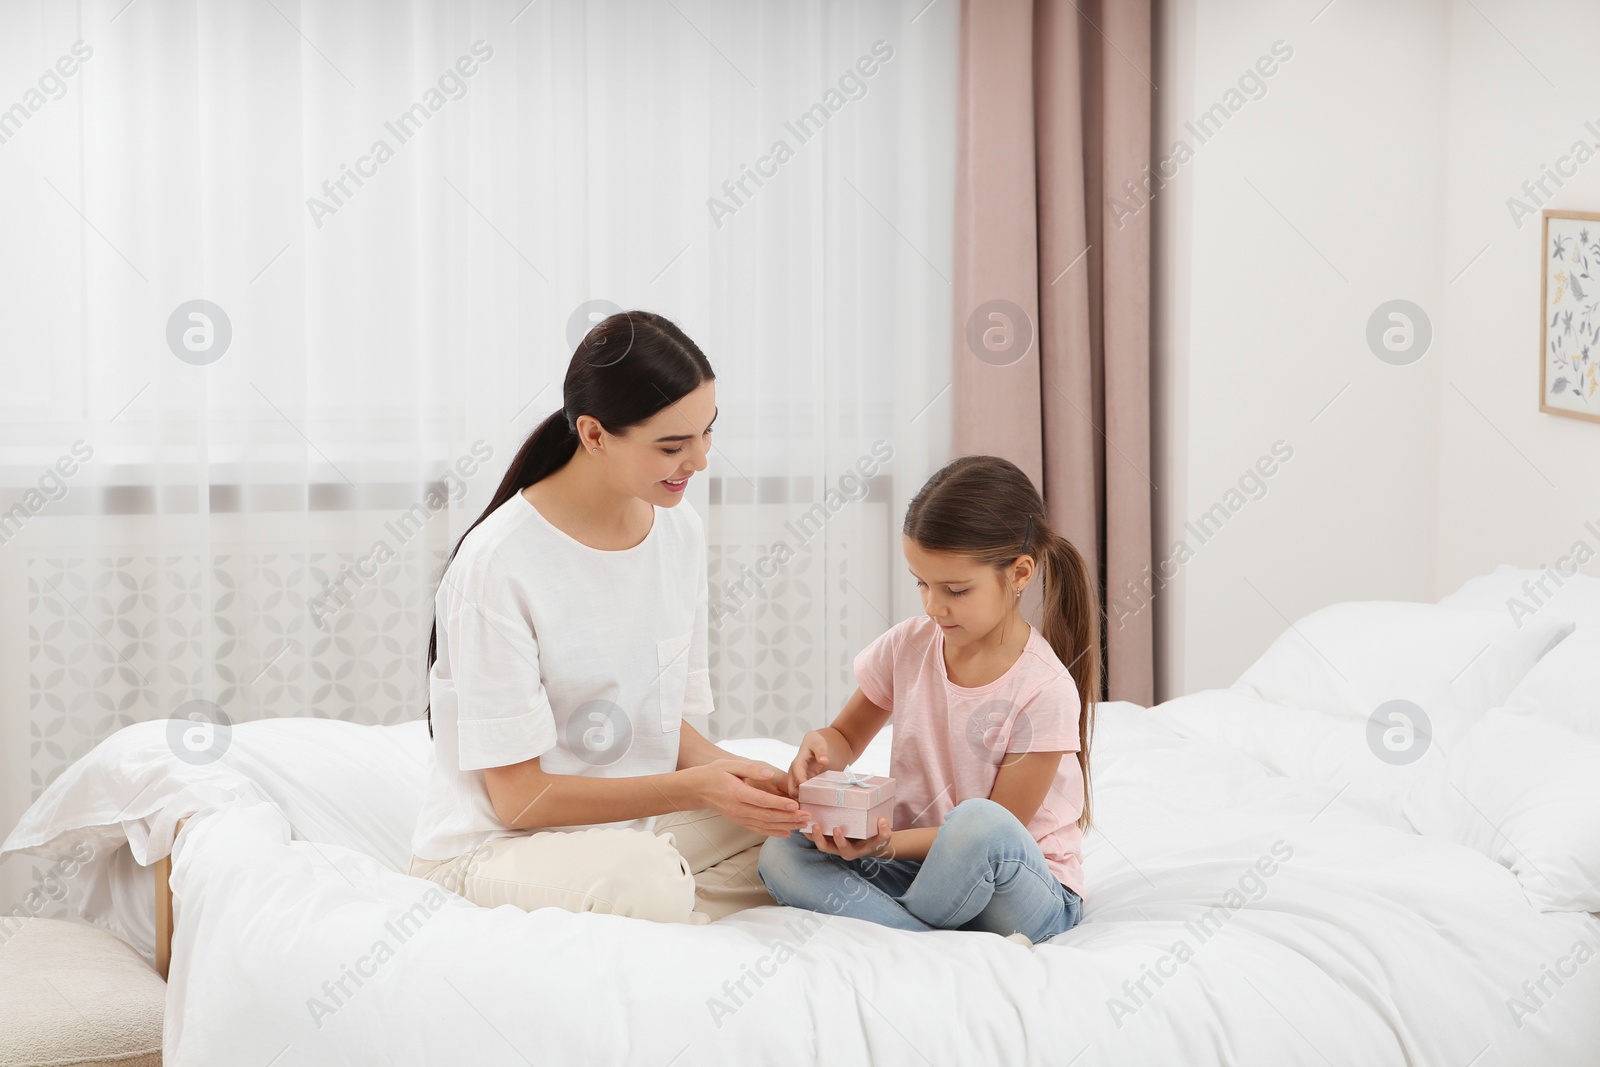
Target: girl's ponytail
(627, 367)
(1072, 626)
(985, 508)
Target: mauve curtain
(1052, 291)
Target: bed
(1282, 872)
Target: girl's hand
(843, 847)
(814, 757)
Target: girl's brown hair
(985, 508)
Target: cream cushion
(73, 994)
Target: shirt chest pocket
(672, 663)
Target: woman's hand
(746, 791)
(780, 784)
(878, 847)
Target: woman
(569, 643)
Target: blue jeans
(984, 872)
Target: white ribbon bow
(851, 778)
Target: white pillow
(1564, 687)
(1449, 665)
(337, 782)
(1525, 595)
(112, 813)
(1523, 791)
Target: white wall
(1374, 167)
(1504, 122)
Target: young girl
(992, 722)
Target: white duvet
(1244, 907)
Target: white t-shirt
(584, 657)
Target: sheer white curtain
(396, 216)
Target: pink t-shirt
(950, 741)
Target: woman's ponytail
(546, 451)
(657, 367)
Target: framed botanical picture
(1569, 326)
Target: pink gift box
(853, 801)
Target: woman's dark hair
(629, 366)
(985, 508)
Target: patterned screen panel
(116, 639)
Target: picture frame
(1569, 314)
